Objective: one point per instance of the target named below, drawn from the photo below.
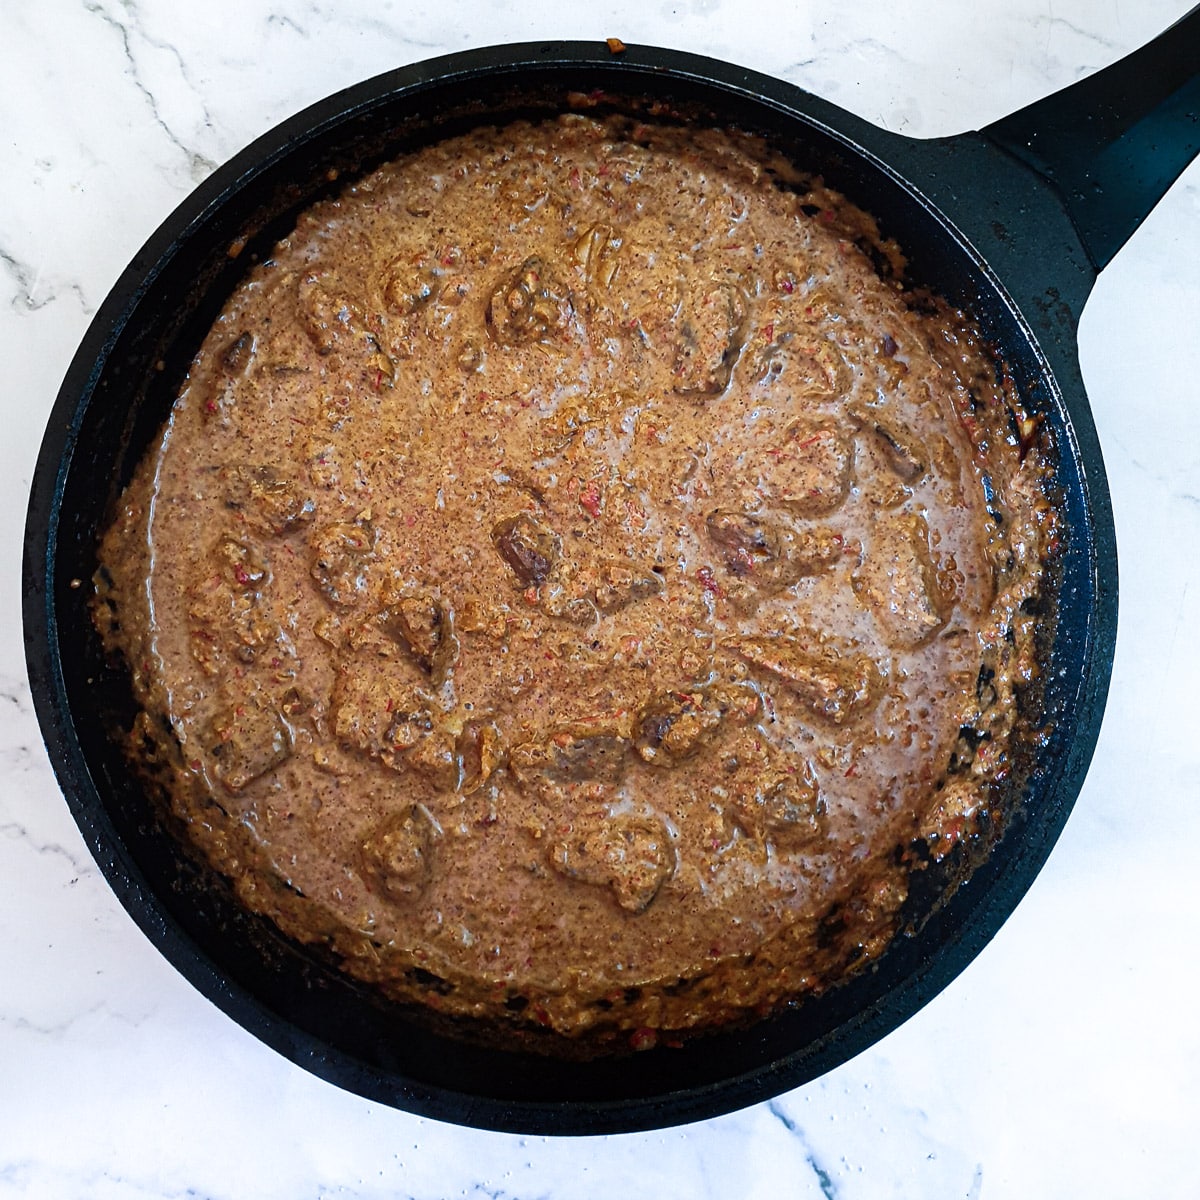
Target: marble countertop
(1063, 1062)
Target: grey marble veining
(1062, 1063)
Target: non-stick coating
(115, 397)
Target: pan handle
(1113, 143)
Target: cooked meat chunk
(267, 500)
(424, 624)
(570, 756)
(898, 582)
(770, 554)
(375, 715)
(709, 338)
(575, 610)
(229, 609)
(394, 723)
(675, 725)
(751, 546)
(900, 449)
(246, 741)
(810, 471)
(339, 555)
(332, 320)
(835, 689)
(631, 854)
(408, 287)
(529, 305)
(397, 854)
(529, 548)
(783, 805)
(809, 367)
(230, 620)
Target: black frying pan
(1013, 222)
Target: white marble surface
(1065, 1061)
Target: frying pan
(1013, 222)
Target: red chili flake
(530, 595)
(769, 331)
(808, 441)
(378, 378)
(788, 286)
(602, 170)
(409, 520)
(827, 217)
(239, 573)
(194, 764)
(644, 1038)
(576, 180)
(589, 498)
(709, 582)
(210, 405)
(851, 770)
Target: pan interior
(114, 400)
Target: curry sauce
(576, 573)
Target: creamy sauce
(567, 573)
